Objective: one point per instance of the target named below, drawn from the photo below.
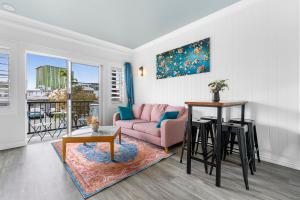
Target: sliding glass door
(61, 95)
(46, 95)
(85, 93)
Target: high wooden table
(85, 134)
(219, 106)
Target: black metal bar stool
(213, 120)
(202, 130)
(251, 125)
(184, 143)
(240, 131)
(230, 138)
(205, 131)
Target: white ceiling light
(8, 7)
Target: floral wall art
(190, 59)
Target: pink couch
(144, 125)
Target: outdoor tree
(81, 97)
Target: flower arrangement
(216, 87)
(93, 122)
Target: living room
(206, 62)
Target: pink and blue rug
(92, 170)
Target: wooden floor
(35, 172)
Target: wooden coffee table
(85, 134)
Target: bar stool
(251, 124)
(230, 138)
(202, 129)
(250, 139)
(205, 132)
(184, 143)
(214, 121)
(240, 131)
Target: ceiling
(129, 23)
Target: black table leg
(243, 114)
(189, 149)
(219, 147)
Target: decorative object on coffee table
(216, 87)
(94, 123)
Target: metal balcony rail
(51, 117)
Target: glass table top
(87, 131)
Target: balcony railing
(51, 117)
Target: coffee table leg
(112, 150)
(64, 149)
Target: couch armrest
(116, 117)
(172, 132)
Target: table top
(216, 104)
(103, 131)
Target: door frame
(55, 54)
(100, 100)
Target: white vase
(95, 128)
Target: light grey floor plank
(35, 172)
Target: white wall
(254, 44)
(21, 35)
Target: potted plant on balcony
(216, 87)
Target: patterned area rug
(92, 170)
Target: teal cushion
(167, 115)
(126, 113)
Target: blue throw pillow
(125, 113)
(167, 115)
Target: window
(44, 75)
(4, 77)
(117, 84)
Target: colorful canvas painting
(190, 59)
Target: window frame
(7, 51)
(121, 85)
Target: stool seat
(209, 118)
(200, 121)
(227, 125)
(239, 120)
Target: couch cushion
(129, 123)
(167, 115)
(146, 114)
(137, 110)
(181, 109)
(157, 111)
(149, 128)
(126, 113)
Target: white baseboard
(279, 160)
(12, 145)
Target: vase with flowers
(215, 88)
(94, 123)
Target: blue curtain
(129, 84)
